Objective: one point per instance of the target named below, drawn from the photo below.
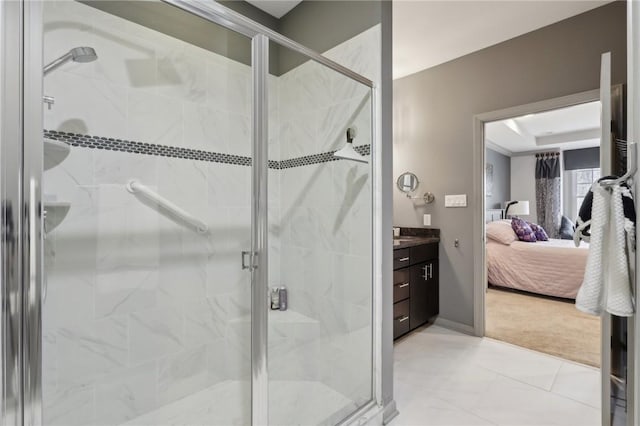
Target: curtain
(548, 193)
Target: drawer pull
(403, 319)
(403, 259)
(403, 285)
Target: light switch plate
(455, 200)
(426, 220)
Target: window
(584, 178)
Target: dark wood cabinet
(415, 287)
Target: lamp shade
(517, 208)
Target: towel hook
(632, 169)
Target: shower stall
(173, 187)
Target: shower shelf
(55, 152)
(54, 214)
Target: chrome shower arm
(57, 62)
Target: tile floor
(447, 378)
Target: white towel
(590, 298)
(619, 295)
(607, 283)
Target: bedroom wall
(501, 179)
(523, 182)
(433, 128)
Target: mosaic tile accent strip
(97, 142)
(111, 144)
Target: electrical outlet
(426, 220)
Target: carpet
(543, 324)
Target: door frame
(633, 134)
(479, 144)
(479, 225)
(21, 151)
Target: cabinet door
(433, 289)
(419, 295)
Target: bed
(552, 268)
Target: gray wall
(433, 123)
(307, 23)
(501, 179)
(324, 24)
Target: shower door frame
(21, 153)
(21, 118)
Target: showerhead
(77, 54)
(347, 152)
(83, 54)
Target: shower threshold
(228, 403)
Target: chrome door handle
(403, 259)
(428, 271)
(403, 319)
(403, 285)
(252, 260)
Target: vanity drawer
(423, 253)
(401, 258)
(401, 286)
(401, 291)
(400, 318)
(401, 276)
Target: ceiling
(574, 127)
(277, 8)
(427, 33)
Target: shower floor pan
(227, 403)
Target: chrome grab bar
(137, 188)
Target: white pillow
(502, 232)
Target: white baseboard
(455, 326)
(390, 412)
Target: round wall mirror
(407, 182)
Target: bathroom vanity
(415, 279)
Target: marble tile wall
(140, 311)
(325, 223)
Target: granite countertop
(411, 237)
(407, 241)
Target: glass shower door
(147, 193)
(320, 333)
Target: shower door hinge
(253, 260)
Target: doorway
(508, 299)
(538, 169)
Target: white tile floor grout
(445, 378)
